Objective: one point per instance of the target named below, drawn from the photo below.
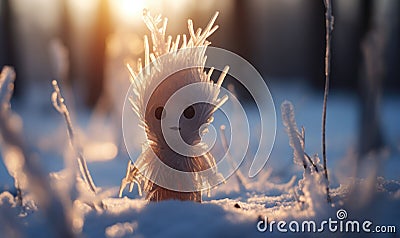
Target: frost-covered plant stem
(59, 105)
(7, 77)
(52, 205)
(328, 29)
(296, 139)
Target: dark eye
(189, 112)
(159, 113)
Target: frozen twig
(299, 202)
(328, 28)
(303, 145)
(59, 105)
(50, 203)
(311, 162)
(296, 139)
(240, 177)
(7, 78)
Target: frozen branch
(328, 28)
(59, 105)
(7, 78)
(303, 145)
(296, 139)
(17, 151)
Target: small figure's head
(192, 120)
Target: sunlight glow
(128, 10)
(83, 6)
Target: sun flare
(127, 10)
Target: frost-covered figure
(169, 68)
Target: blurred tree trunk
(7, 42)
(392, 81)
(371, 76)
(316, 43)
(242, 30)
(351, 25)
(242, 23)
(65, 36)
(97, 53)
(6, 36)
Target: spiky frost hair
(190, 54)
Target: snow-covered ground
(282, 191)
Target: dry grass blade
(59, 105)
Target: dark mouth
(175, 128)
